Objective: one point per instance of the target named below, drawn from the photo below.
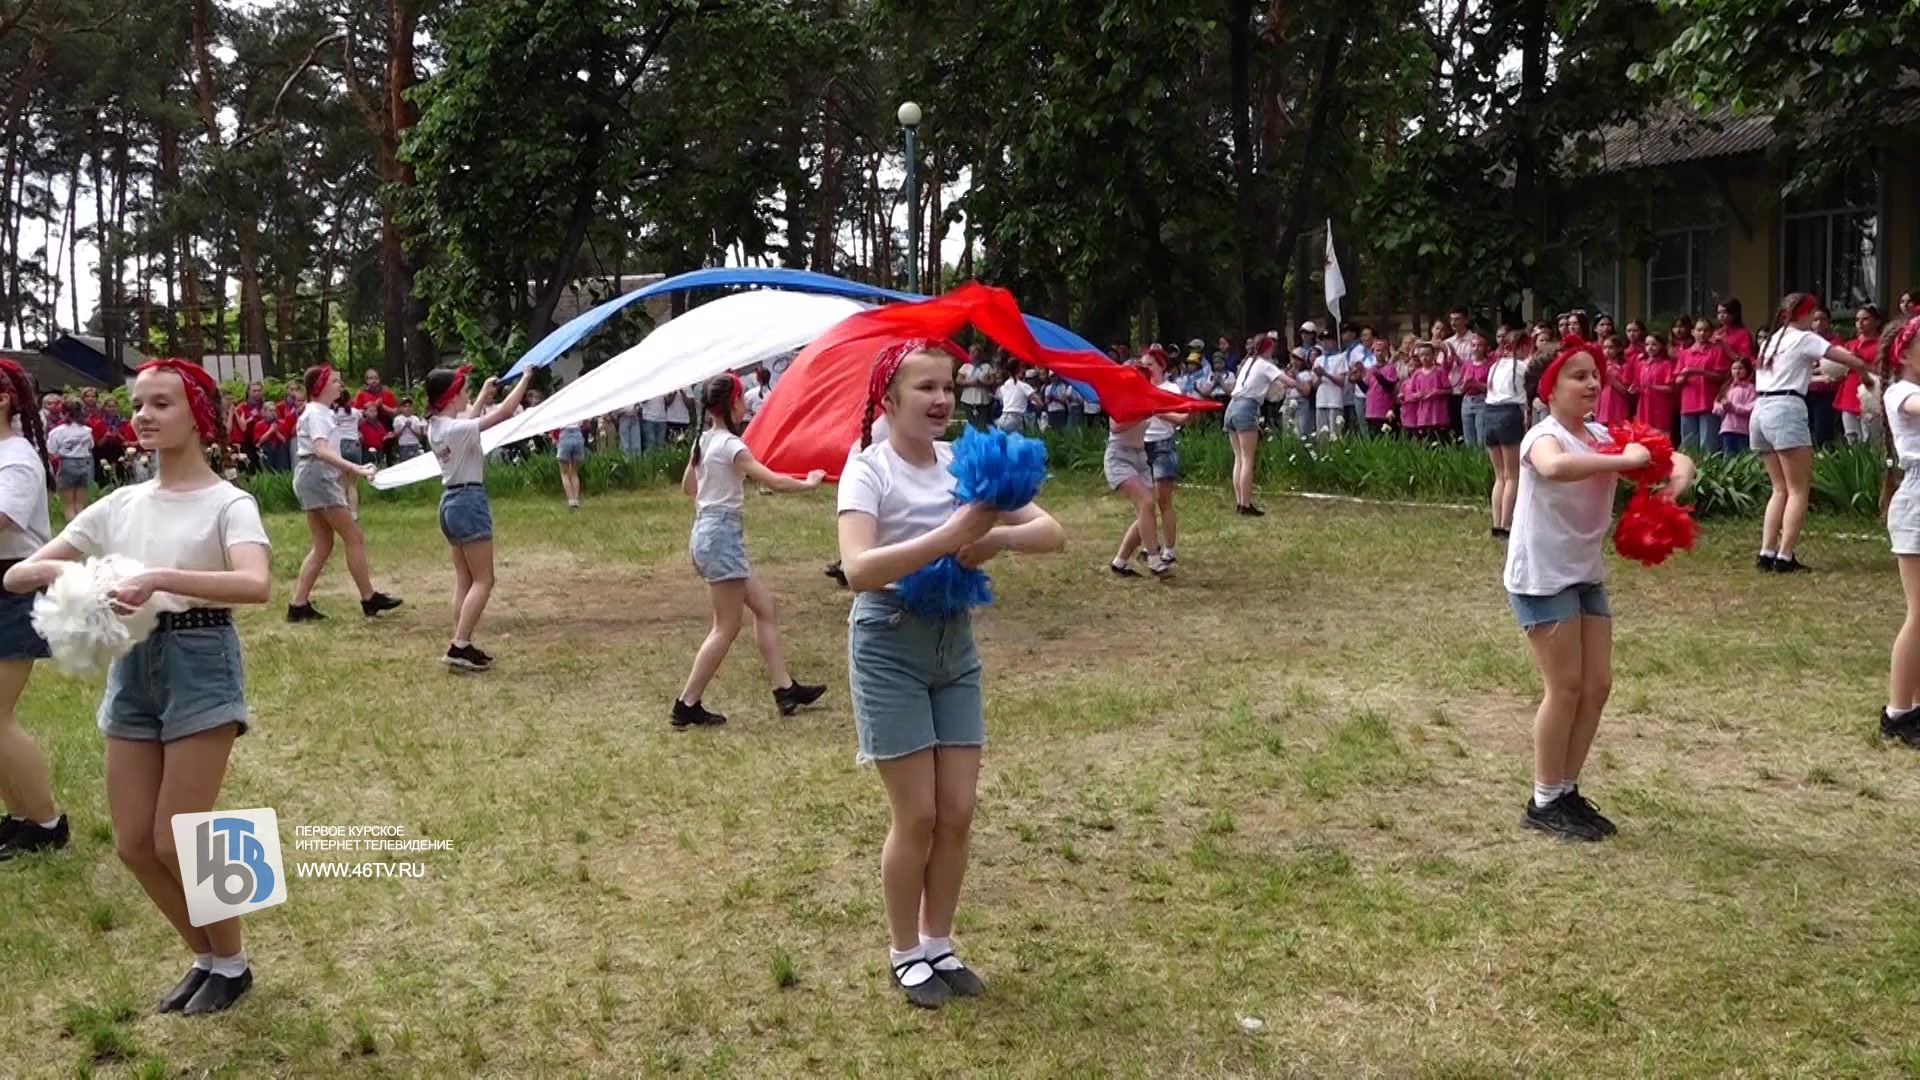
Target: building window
(1830, 242)
(1687, 273)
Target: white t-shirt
(1256, 378)
(974, 394)
(346, 425)
(904, 500)
(717, 485)
(178, 530)
(1559, 526)
(1792, 356)
(1132, 436)
(1905, 429)
(755, 396)
(456, 443)
(315, 424)
(1014, 395)
(70, 440)
(1159, 430)
(23, 499)
(1090, 406)
(1331, 395)
(677, 409)
(655, 409)
(1506, 382)
(409, 429)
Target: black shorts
(18, 639)
(1503, 425)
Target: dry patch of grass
(1282, 785)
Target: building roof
(49, 373)
(1676, 134)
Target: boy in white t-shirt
(454, 427)
(1016, 396)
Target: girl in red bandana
(1900, 345)
(917, 703)
(454, 427)
(1555, 578)
(318, 468)
(176, 703)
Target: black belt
(195, 619)
(1782, 393)
(457, 487)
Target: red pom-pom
(1653, 527)
(1657, 442)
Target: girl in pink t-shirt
(1619, 385)
(1735, 407)
(1701, 369)
(1424, 390)
(1382, 380)
(1656, 387)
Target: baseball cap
(1309, 327)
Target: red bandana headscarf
(201, 392)
(887, 365)
(1809, 303)
(1901, 341)
(1570, 347)
(453, 391)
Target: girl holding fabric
(454, 426)
(33, 821)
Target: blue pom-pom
(1004, 471)
(944, 588)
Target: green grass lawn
(1282, 785)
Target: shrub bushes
(1846, 480)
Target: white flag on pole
(1336, 283)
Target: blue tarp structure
(565, 337)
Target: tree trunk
(1526, 179)
(826, 225)
(186, 333)
(103, 240)
(72, 232)
(1302, 202)
(324, 347)
(121, 181)
(283, 322)
(1247, 207)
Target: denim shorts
(915, 682)
(1502, 425)
(1163, 458)
(1903, 514)
(174, 684)
(1587, 598)
(465, 515)
(719, 546)
(18, 639)
(317, 484)
(1123, 463)
(73, 473)
(1779, 423)
(1243, 414)
(572, 445)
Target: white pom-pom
(1832, 371)
(78, 620)
(1870, 391)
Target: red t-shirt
(384, 398)
(372, 435)
(1739, 339)
(104, 430)
(267, 433)
(1698, 392)
(1847, 398)
(1656, 402)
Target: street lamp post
(909, 117)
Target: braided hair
(716, 401)
(23, 402)
(1782, 318)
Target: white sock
(1546, 793)
(462, 644)
(1167, 552)
(1898, 711)
(230, 966)
(49, 824)
(1765, 554)
(942, 947)
(1119, 564)
(918, 972)
(203, 961)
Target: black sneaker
(1585, 808)
(1501, 534)
(836, 573)
(1123, 571)
(930, 994)
(1764, 563)
(466, 658)
(176, 999)
(1255, 511)
(1559, 818)
(694, 715)
(25, 836)
(8, 822)
(796, 694)
(1790, 565)
(218, 993)
(485, 656)
(299, 613)
(379, 602)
